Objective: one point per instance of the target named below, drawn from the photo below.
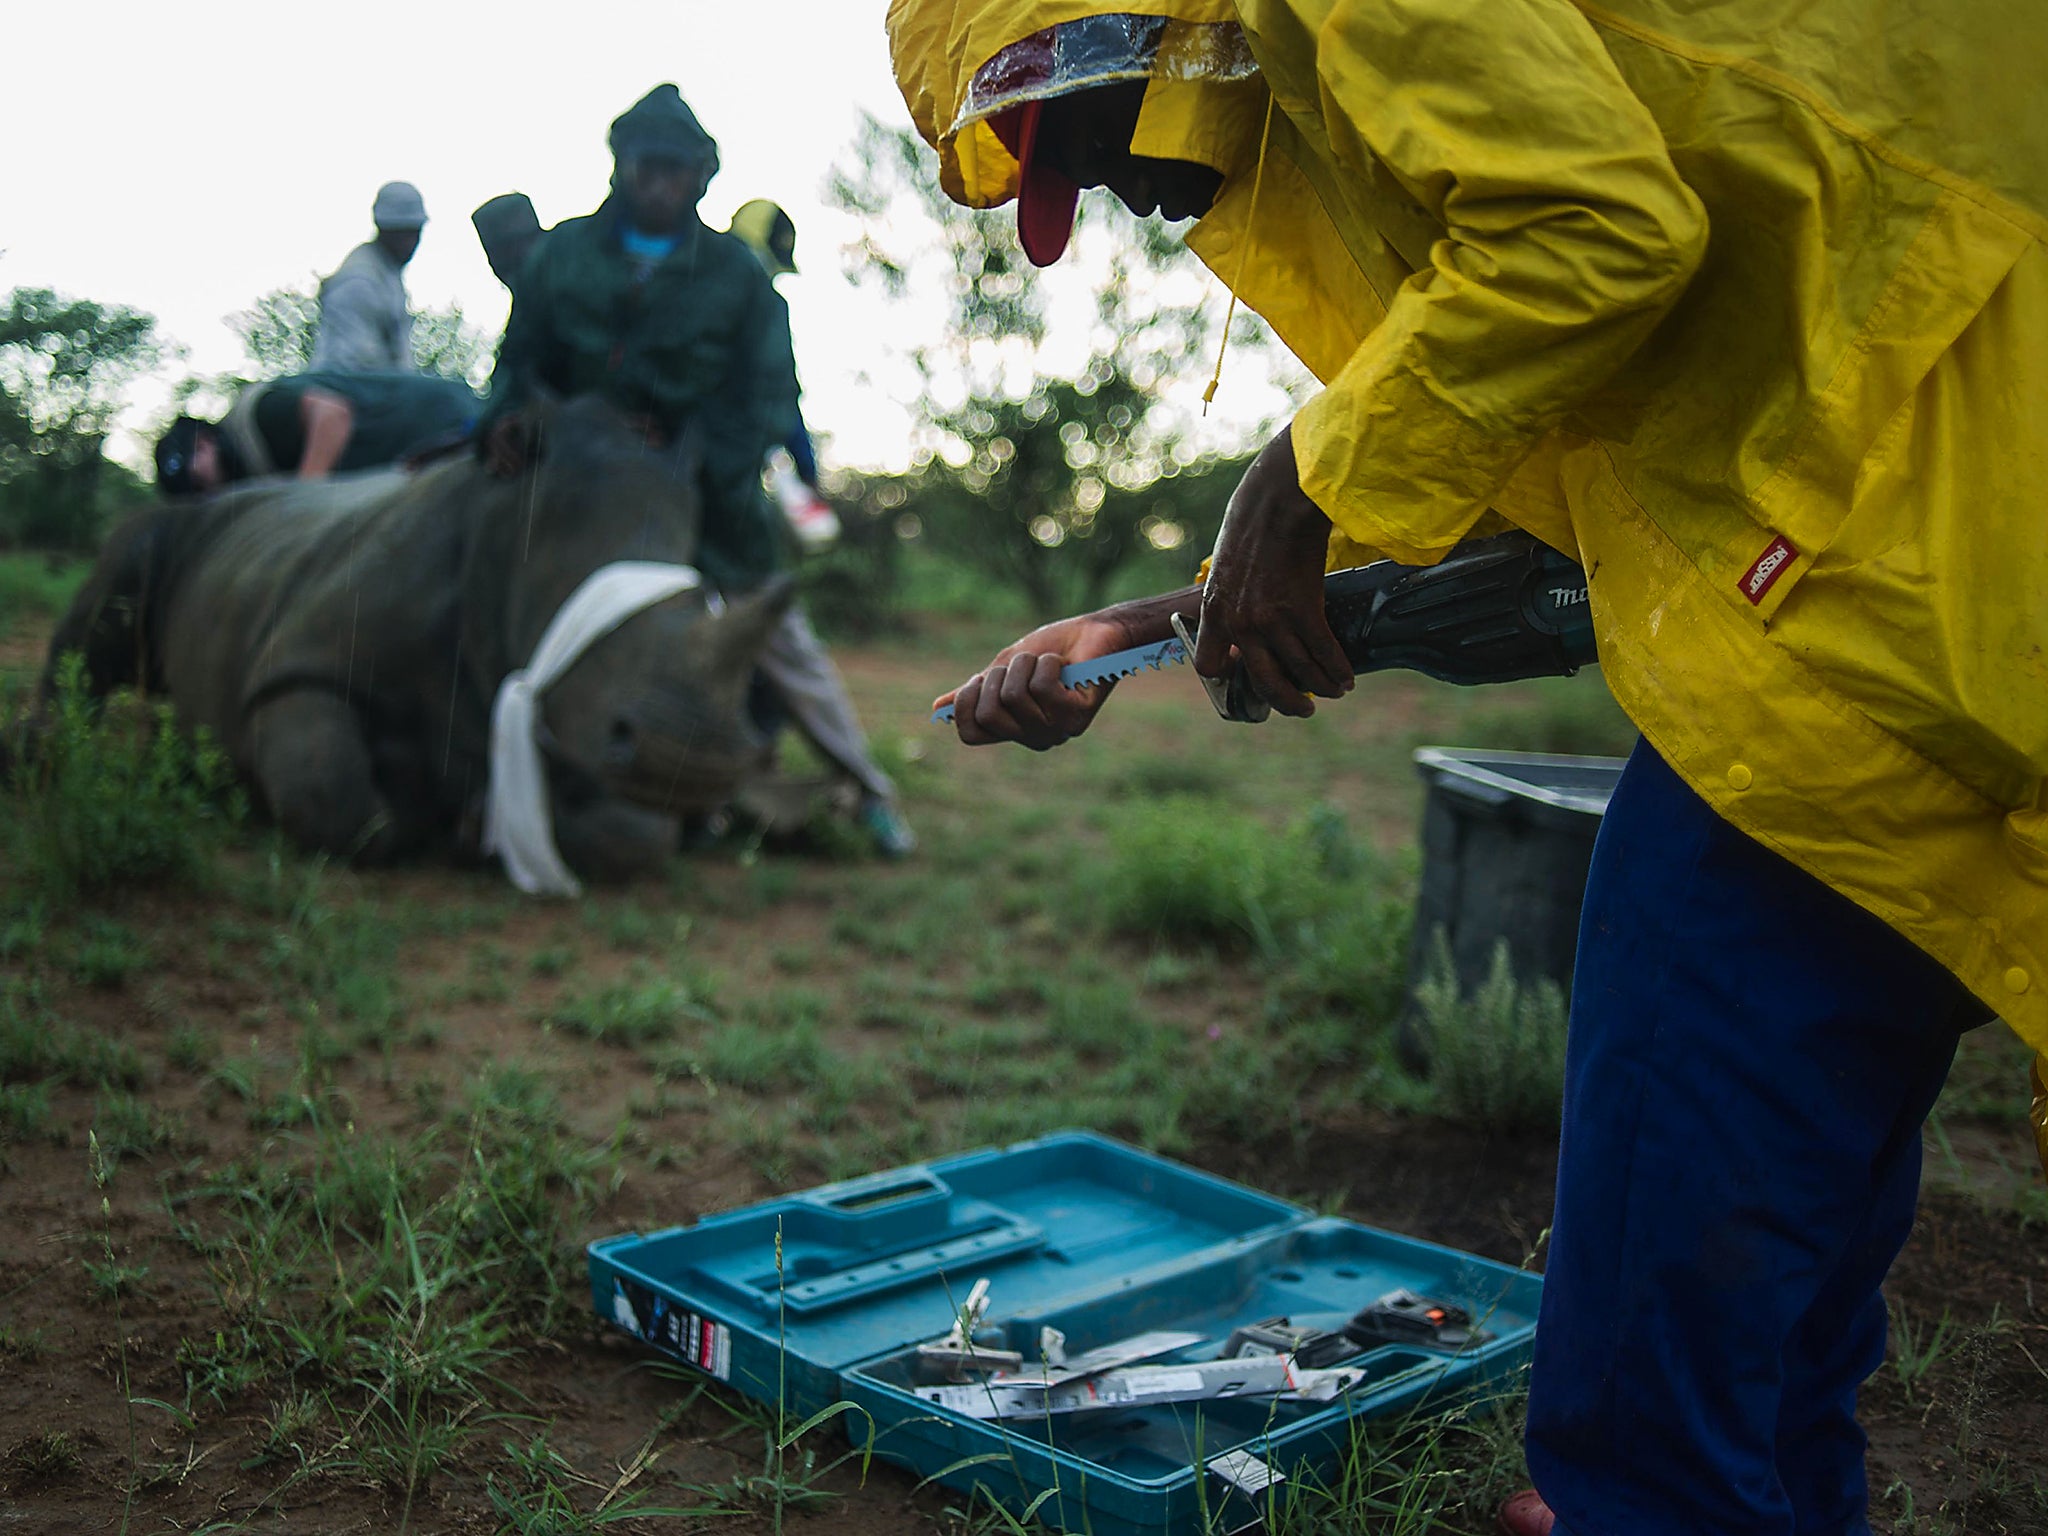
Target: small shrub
(1157, 775)
(643, 1008)
(107, 954)
(763, 1059)
(21, 933)
(24, 1111)
(1497, 1056)
(46, 1457)
(35, 1045)
(114, 795)
(1352, 957)
(111, 1280)
(1183, 871)
(1313, 902)
(1097, 1019)
(126, 1125)
(192, 1049)
(630, 927)
(551, 962)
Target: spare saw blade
(1155, 657)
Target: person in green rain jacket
(670, 321)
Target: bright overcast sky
(183, 159)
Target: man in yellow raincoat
(1745, 306)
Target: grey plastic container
(1507, 838)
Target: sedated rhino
(344, 641)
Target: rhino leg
(608, 842)
(316, 773)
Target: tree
(279, 329)
(277, 332)
(1050, 467)
(65, 366)
(444, 342)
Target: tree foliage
(444, 342)
(279, 329)
(65, 366)
(277, 332)
(1050, 455)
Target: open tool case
(1079, 1234)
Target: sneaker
(885, 824)
(1524, 1515)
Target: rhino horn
(732, 641)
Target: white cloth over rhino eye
(518, 827)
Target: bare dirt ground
(1958, 1419)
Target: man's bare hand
(1264, 599)
(1019, 698)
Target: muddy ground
(1958, 1418)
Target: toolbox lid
(1578, 786)
(855, 1270)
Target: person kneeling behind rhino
(315, 424)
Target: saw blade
(1155, 657)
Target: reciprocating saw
(1491, 611)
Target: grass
(36, 587)
(1918, 1346)
(36, 1046)
(647, 1006)
(1184, 872)
(24, 1111)
(106, 953)
(376, 1290)
(47, 1456)
(1191, 937)
(1496, 1054)
(114, 796)
(128, 1126)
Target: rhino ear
(733, 639)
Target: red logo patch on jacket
(1770, 565)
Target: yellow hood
(940, 45)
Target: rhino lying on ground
(344, 641)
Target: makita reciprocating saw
(1490, 611)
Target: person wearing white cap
(365, 321)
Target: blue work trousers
(1752, 1057)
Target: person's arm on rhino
(329, 422)
(1568, 235)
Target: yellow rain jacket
(1744, 304)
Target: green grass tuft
(114, 796)
(1497, 1055)
(764, 1059)
(645, 1007)
(106, 954)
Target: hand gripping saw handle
(1491, 611)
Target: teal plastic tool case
(1081, 1234)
